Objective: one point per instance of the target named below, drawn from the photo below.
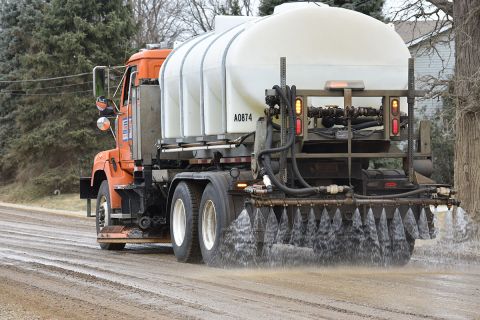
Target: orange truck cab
(117, 168)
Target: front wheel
(102, 215)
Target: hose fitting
(268, 183)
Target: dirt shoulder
(15, 194)
(19, 301)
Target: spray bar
(259, 202)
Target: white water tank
(215, 83)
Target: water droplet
(238, 246)
(271, 230)
(371, 244)
(435, 222)
(339, 243)
(423, 226)
(357, 238)
(461, 225)
(384, 239)
(283, 229)
(410, 224)
(297, 230)
(259, 229)
(448, 226)
(400, 246)
(337, 220)
(311, 229)
(322, 245)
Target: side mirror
(99, 81)
(103, 123)
(105, 106)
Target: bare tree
(171, 20)
(158, 21)
(200, 14)
(425, 20)
(465, 16)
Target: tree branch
(444, 5)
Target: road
(52, 268)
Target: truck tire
(102, 215)
(213, 220)
(184, 222)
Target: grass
(19, 194)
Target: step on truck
(287, 114)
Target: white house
(433, 48)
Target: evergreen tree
(56, 119)
(18, 20)
(370, 7)
(230, 8)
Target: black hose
(243, 138)
(398, 195)
(365, 125)
(356, 121)
(276, 126)
(268, 150)
(296, 172)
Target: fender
(106, 164)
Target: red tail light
(298, 127)
(395, 127)
(390, 184)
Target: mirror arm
(116, 108)
(113, 134)
(120, 83)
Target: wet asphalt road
(52, 268)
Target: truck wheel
(102, 216)
(212, 221)
(183, 222)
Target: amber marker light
(298, 106)
(395, 107)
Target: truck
(284, 116)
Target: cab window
(126, 88)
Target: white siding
(437, 63)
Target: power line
(44, 94)
(53, 87)
(47, 79)
(57, 78)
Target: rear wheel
(102, 215)
(212, 221)
(184, 222)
